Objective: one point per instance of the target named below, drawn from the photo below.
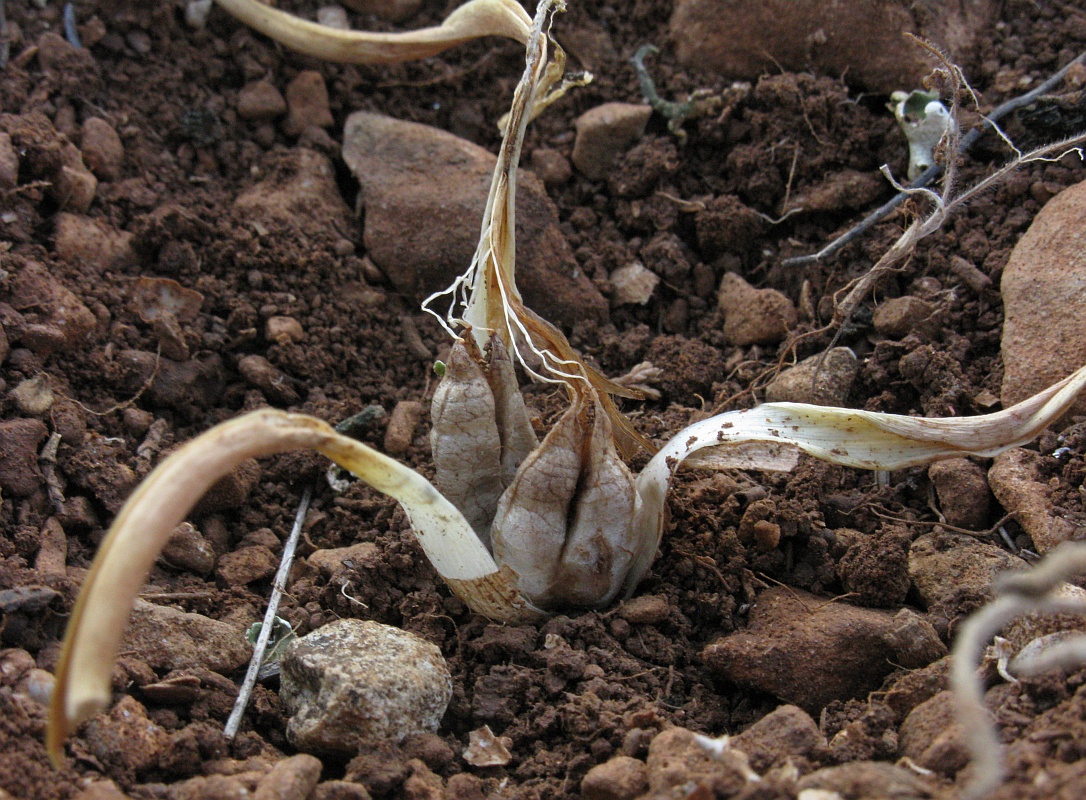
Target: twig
(246, 689)
(71, 30)
(933, 172)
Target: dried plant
(516, 528)
(473, 20)
(1043, 589)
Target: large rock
(424, 191)
(1044, 300)
(166, 638)
(356, 680)
(858, 40)
(809, 652)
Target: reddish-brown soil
(171, 93)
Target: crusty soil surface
(171, 93)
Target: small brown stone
(402, 422)
(19, 472)
(307, 103)
(606, 132)
(621, 778)
(247, 565)
(754, 316)
(102, 149)
(260, 101)
(283, 330)
(9, 163)
(648, 609)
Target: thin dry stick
(246, 689)
(933, 172)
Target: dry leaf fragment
(487, 750)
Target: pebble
(355, 680)
(550, 166)
(124, 740)
(1044, 301)
(621, 778)
(900, 316)
(292, 778)
(343, 790)
(19, 471)
(679, 766)
(947, 569)
(188, 549)
(754, 316)
(604, 133)
(307, 103)
(932, 737)
(5, 345)
(962, 488)
(870, 779)
(283, 330)
(820, 652)
(166, 638)
(9, 163)
(261, 101)
(834, 380)
(260, 372)
(75, 186)
(332, 560)
(333, 17)
(82, 240)
(387, 156)
(245, 566)
(59, 320)
(33, 397)
(37, 685)
(646, 609)
(1016, 481)
(101, 148)
(858, 41)
(402, 422)
(52, 555)
(632, 284)
(787, 731)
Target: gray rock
(800, 385)
(354, 680)
(1044, 302)
(410, 172)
